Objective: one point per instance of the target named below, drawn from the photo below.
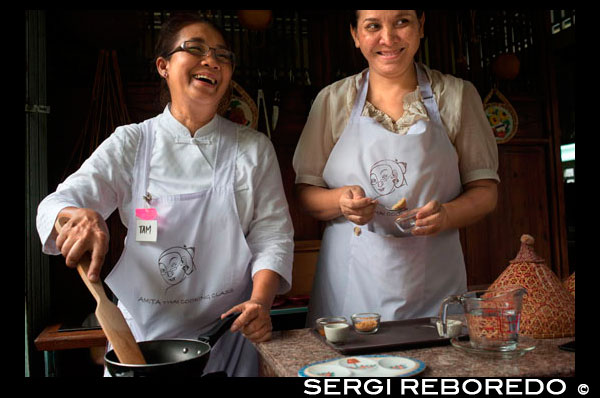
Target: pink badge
(146, 214)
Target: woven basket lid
(548, 307)
(569, 284)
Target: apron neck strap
(361, 98)
(142, 161)
(224, 169)
(427, 94)
(424, 87)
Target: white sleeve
(102, 183)
(270, 235)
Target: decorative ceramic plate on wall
(501, 116)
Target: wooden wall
(531, 191)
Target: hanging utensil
(109, 316)
(261, 98)
(275, 114)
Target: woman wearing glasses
(211, 188)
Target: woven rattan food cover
(570, 284)
(548, 307)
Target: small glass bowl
(321, 322)
(406, 221)
(366, 322)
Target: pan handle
(219, 329)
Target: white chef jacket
(183, 164)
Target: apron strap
(142, 160)
(361, 98)
(224, 171)
(424, 87)
(427, 95)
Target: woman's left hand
(254, 321)
(431, 219)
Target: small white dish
(337, 332)
(359, 364)
(327, 370)
(453, 329)
(400, 365)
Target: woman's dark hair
(353, 17)
(166, 42)
(170, 29)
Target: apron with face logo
(380, 269)
(199, 267)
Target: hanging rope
(107, 110)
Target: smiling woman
(197, 67)
(223, 227)
(372, 139)
(389, 42)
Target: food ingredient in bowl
(321, 322)
(366, 325)
(366, 322)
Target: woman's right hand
(86, 231)
(355, 206)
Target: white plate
(364, 366)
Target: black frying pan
(173, 357)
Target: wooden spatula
(109, 316)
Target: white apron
(199, 267)
(382, 270)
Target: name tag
(146, 228)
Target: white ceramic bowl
(337, 332)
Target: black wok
(172, 357)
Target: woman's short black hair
(169, 31)
(353, 17)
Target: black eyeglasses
(201, 49)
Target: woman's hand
(86, 231)
(431, 219)
(254, 321)
(355, 206)
(477, 200)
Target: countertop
(290, 350)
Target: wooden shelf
(51, 339)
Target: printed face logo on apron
(387, 175)
(175, 264)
